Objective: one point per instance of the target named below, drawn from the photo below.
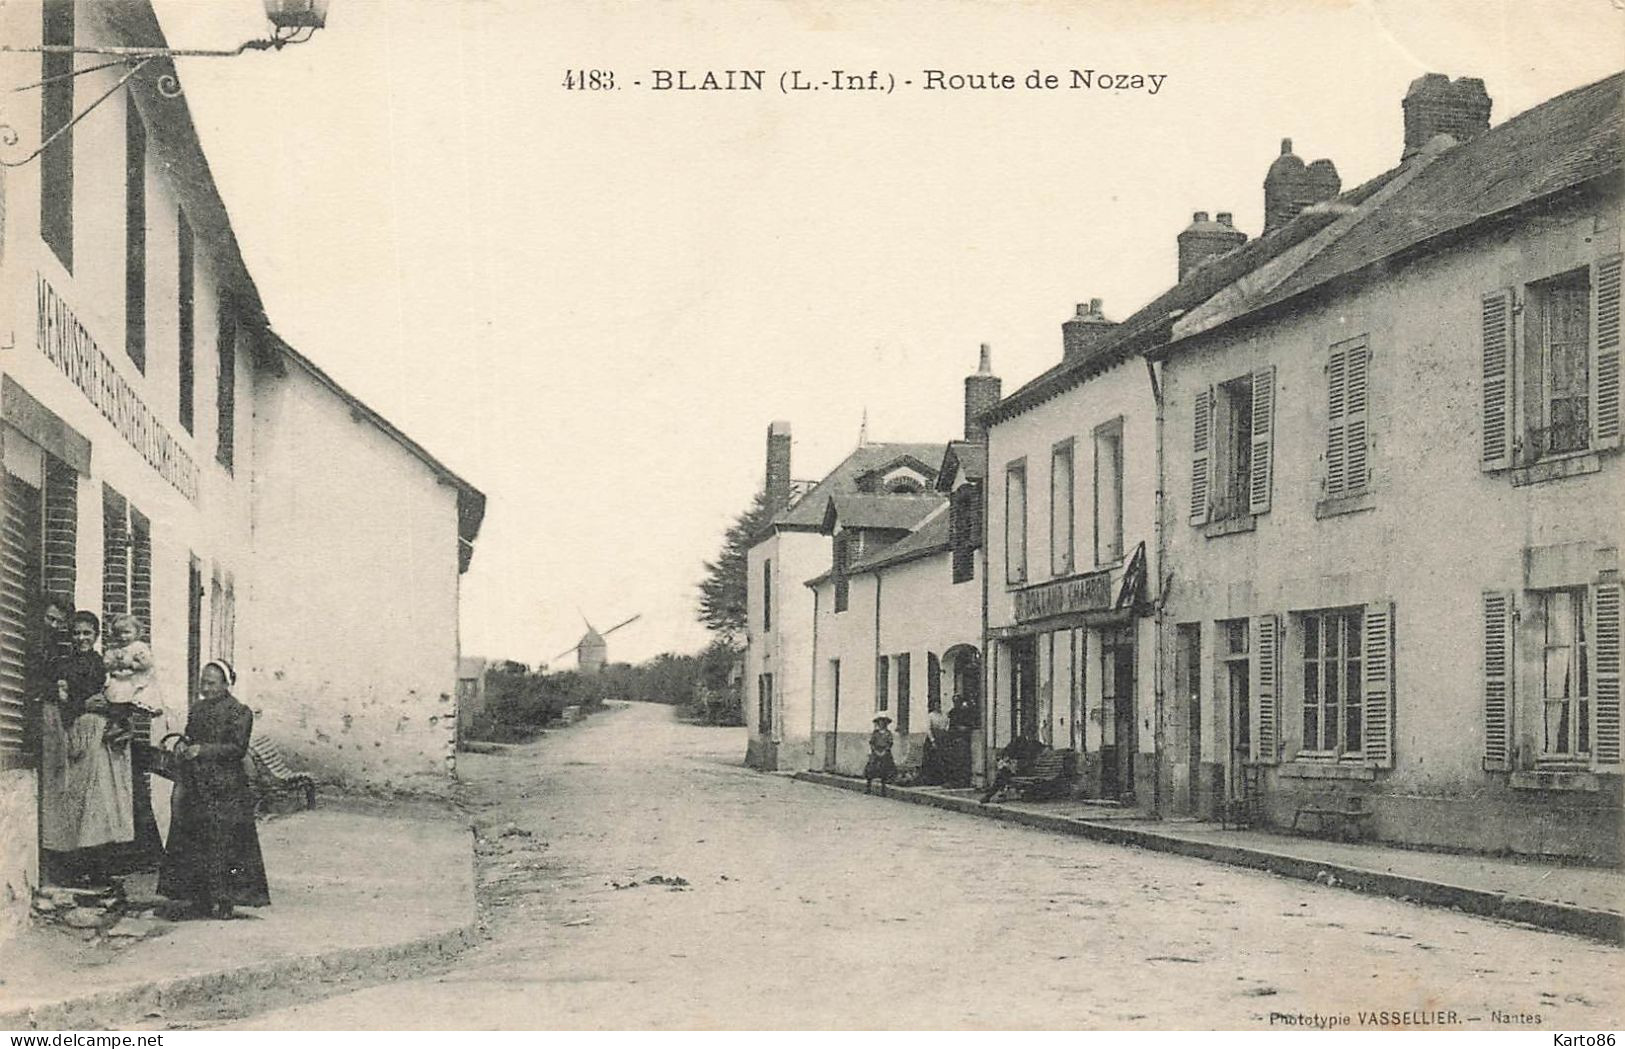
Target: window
(225, 400)
(1565, 677)
(1559, 394)
(1332, 692)
(903, 662)
(882, 683)
(767, 594)
(1109, 493)
(1015, 522)
(1347, 436)
(135, 236)
(56, 113)
(843, 558)
(1060, 509)
(1557, 365)
(184, 270)
(1233, 428)
(1233, 452)
(965, 529)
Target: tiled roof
(1558, 145)
(891, 511)
(929, 537)
(807, 513)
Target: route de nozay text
(926, 79)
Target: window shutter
(1497, 681)
(1337, 421)
(1378, 681)
(1497, 364)
(1605, 353)
(1201, 457)
(1258, 497)
(1266, 690)
(1605, 675)
(1357, 460)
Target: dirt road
(797, 906)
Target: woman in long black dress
(213, 855)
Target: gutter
(1159, 615)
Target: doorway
(1238, 707)
(1024, 687)
(1187, 660)
(1117, 713)
(831, 747)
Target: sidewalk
(349, 890)
(1586, 901)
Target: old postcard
(744, 515)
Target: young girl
(882, 765)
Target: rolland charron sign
(1090, 593)
(67, 344)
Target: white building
(165, 453)
(778, 697)
(1072, 462)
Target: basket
(162, 759)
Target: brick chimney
(777, 484)
(1290, 186)
(1081, 333)
(982, 392)
(1436, 105)
(1204, 239)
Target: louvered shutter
(1605, 353)
(1496, 418)
(1266, 689)
(1263, 450)
(1357, 459)
(1377, 681)
(1605, 675)
(1201, 456)
(1497, 608)
(1337, 421)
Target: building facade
(161, 453)
(1395, 490)
(1071, 648)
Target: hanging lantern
(297, 14)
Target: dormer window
(905, 484)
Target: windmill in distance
(592, 651)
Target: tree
(725, 586)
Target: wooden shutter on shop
(1263, 451)
(1377, 680)
(1496, 416)
(1266, 689)
(1605, 675)
(1497, 608)
(1347, 460)
(1201, 456)
(20, 571)
(1605, 353)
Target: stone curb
(91, 1012)
(1606, 926)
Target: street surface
(805, 907)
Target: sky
(590, 304)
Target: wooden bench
(1346, 811)
(274, 776)
(1049, 775)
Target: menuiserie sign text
(67, 344)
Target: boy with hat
(881, 765)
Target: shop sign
(66, 344)
(1090, 593)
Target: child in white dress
(132, 686)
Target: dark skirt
(881, 766)
(213, 853)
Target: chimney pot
(982, 392)
(1225, 218)
(1200, 216)
(1286, 146)
(1094, 306)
